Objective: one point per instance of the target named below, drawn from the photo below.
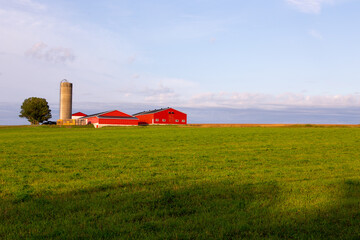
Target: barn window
(172, 112)
(182, 120)
(169, 112)
(156, 120)
(164, 120)
(177, 120)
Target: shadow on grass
(155, 211)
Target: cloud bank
(24, 4)
(31, 4)
(309, 6)
(271, 101)
(56, 54)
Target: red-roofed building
(111, 118)
(78, 115)
(161, 116)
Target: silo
(65, 100)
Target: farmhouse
(111, 118)
(161, 116)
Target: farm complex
(163, 116)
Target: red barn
(111, 118)
(161, 116)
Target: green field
(179, 183)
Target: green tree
(36, 110)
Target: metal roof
(108, 117)
(116, 117)
(97, 114)
(151, 111)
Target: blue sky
(225, 56)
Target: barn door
(171, 117)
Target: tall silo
(65, 99)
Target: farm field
(168, 182)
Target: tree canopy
(36, 110)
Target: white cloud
(32, 4)
(178, 83)
(151, 94)
(309, 6)
(167, 98)
(135, 76)
(131, 59)
(24, 4)
(156, 91)
(56, 54)
(315, 34)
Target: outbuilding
(111, 118)
(161, 116)
(78, 115)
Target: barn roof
(113, 114)
(154, 111)
(151, 111)
(80, 114)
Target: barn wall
(145, 119)
(92, 120)
(170, 118)
(119, 121)
(76, 117)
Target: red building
(111, 118)
(78, 115)
(161, 116)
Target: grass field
(180, 183)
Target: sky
(229, 61)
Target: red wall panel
(119, 121)
(92, 120)
(145, 119)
